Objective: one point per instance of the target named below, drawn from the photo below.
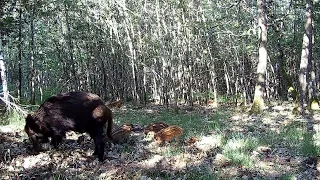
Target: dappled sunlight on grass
(13, 119)
(110, 173)
(239, 158)
(236, 117)
(227, 145)
(235, 144)
(239, 149)
(151, 162)
(243, 134)
(308, 147)
(267, 121)
(207, 143)
(316, 136)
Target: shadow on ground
(138, 158)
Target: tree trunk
(227, 78)
(313, 90)
(40, 84)
(145, 96)
(281, 74)
(258, 101)
(190, 85)
(20, 54)
(282, 80)
(305, 58)
(104, 83)
(134, 86)
(75, 84)
(164, 82)
(3, 75)
(32, 69)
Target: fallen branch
(12, 105)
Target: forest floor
(229, 144)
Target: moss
(314, 104)
(293, 93)
(257, 106)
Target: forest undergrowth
(217, 143)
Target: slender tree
(3, 75)
(305, 58)
(20, 54)
(32, 54)
(258, 101)
(312, 100)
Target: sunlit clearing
(241, 144)
(278, 108)
(109, 173)
(236, 117)
(150, 111)
(277, 113)
(150, 163)
(235, 144)
(209, 142)
(41, 159)
(267, 121)
(240, 158)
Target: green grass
(63, 175)
(12, 118)
(287, 177)
(311, 145)
(201, 172)
(296, 138)
(132, 116)
(238, 149)
(193, 124)
(237, 146)
(308, 147)
(293, 136)
(239, 158)
(172, 150)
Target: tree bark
(3, 75)
(260, 88)
(313, 90)
(305, 58)
(135, 94)
(75, 84)
(32, 68)
(20, 55)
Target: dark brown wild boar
(75, 111)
